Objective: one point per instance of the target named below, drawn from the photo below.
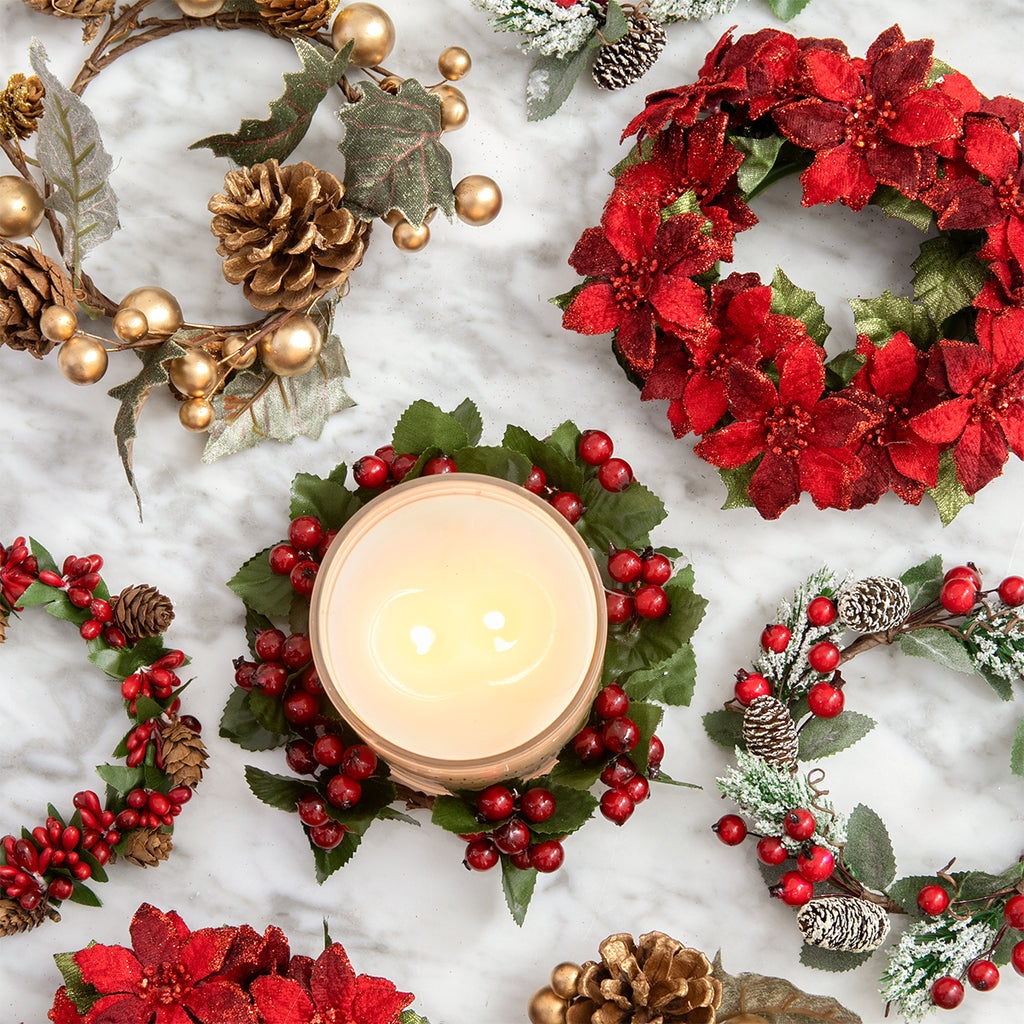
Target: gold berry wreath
(840, 870)
(289, 234)
(161, 755)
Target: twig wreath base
(931, 400)
(838, 869)
(341, 786)
(162, 757)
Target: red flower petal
(333, 979)
(377, 1001)
(705, 402)
(989, 147)
(774, 486)
(203, 953)
(680, 304)
(1002, 337)
(801, 374)
(173, 1014)
(636, 339)
(593, 310)
(900, 70)
(827, 475)
(594, 256)
(63, 1010)
(965, 364)
(915, 458)
(630, 228)
(813, 124)
(980, 455)
(219, 1001)
(109, 968)
(120, 1009)
(156, 937)
(924, 119)
(282, 1000)
(893, 164)
(832, 75)
(1012, 422)
(838, 174)
(751, 393)
(732, 446)
(944, 422)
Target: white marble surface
(469, 317)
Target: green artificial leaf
(881, 318)
(648, 718)
(394, 159)
(923, 582)
(329, 500)
(940, 646)
(121, 663)
(843, 368)
(71, 154)
(38, 593)
(123, 779)
(788, 9)
(948, 494)
(737, 481)
(946, 280)
(868, 853)
(565, 438)
(564, 300)
(290, 114)
(821, 737)
(893, 203)
(573, 773)
(938, 69)
(132, 395)
(725, 727)
(469, 416)
(616, 25)
(238, 724)
(620, 520)
(562, 471)
(328, 941)
(759, 156)
(834, 960)
(517, 884)
(904, 891)
(686, 203)
(269, 712)
(62, 608)
(390, 814)
(669, 682)
(639, 153)
(84, 896)
(43, 557)
(377, 794)
(80, 992)
(454, 815)
(254, 408)
(978, 884)
(261, 589)
(255, 623)
(493, 461)
(277, 790)
(99, 873)
(329, 861)
(147, 708)
(424, 425)
(789, 300)
(573, 809)
(411, 1017)
(1017, 754)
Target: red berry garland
(932, 399)
(163, 756)
(841, 871)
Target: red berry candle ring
(484, 631)
(931, 398)
(839, 870)
(161, 757)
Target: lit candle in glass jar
(458, 624)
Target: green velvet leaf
(843, 368)
(789, 300)
(948, 494)
(638, 154)
(80, 992)
(261, 589)
(411, 1017)
(737, 481)
(1017, 754)
(868, 853)
(821, 737)
(759, 156)
(923, 582)
(424, 425)
(893, 203)
(725, 727)
(938, 69)
(239, 724)
(686, 203)
(881, 318)
(788, 9)
(564, 300)
(517, 884)
(945, 279)
(277, 790)
(940, 646)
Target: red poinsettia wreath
(932, 398)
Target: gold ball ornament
(454, 107)
(130, 324)
(454, 63)
(196, 415)
(58, 323)
(564, 978)
(199, 8)
(477, 199)
(21, 207)
(194, 373)
(546, 1008)
(409, 238)
(370, 28)
(230, 349)
(82, 360)
(393, 217)
(159, 307)
(293, 348)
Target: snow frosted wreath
(931, 400)
(840, 870)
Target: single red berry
(799, 824)
(324, 545)
(1013, 912)
(481, 854)
(617, 806)
(80, 597)
(612, 701)
(547, 856)
(588, 745)
(495, 803)
(823, 657)
(776, 638)
(638, 788)
(303, 576)
(521, 860)
(656, 569)
(957, 596)
(967, 572)
(620, 735)
(310, 681)
(569, 505)
(1011, 591)
(536, 481)
(650, 601)
(386, 453)
(595, 447)
(305, 532)
(102, 612)
(296, 651)
(947, 993)
(90, 629)
(191, 722)
(933, 899)
(983, 975)
(618, 772)
(328, 835)
(625, 566)
(114, 637)
(771, 850)
(793, 889)
(127, 820)
(731, 829)
(439, 465)
(619, 605)
(815, 863)
(401, 464)
(1017, 957)
(615, 475)
(512, 837)
(328, 750)
(537, 804)
(270, 678)
(825, 700)
(81, 871)
(158, 803)
(300, 757)
(370, 471)
(656, 752)
(752, 686)
(821, 612)
(343, 792)
(359, 762)
(268, 645)
(60, 889)
(283, 559)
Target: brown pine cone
(284, 234)
(21, 105)
(92, 12)
(147, 847)
(308, 16)
(655, 980)
(29, 282)
(184, 754)
(142, 611)
(15, 918)
(3, 625)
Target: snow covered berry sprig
(838, 870)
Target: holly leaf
(946, 280)
(1017, 754)
(261, 589)
(821, 737)
(254, 407)
(948, 494)
(788, 9)
(686, 203)
(517, 884)
(290, 114)
(411, 1017)
(132, 395)
(493, 461)
(394, 159)
(573, 808)
(277, 790)
(893, 203)
(977, 884)
(843, 368)
(789, 300)
(834, 960)
(940, 646)
(561, 471)
(923, 582)
(881, 318)
(640, 153)
(329, 861)
(737, 481)
(775, 1000)
(329, 500)
(424, 425)
(453, 815)
(622, 520)
(79, 991)
(868, 853)
(570, 771)
(671, 681)
(759, 156)
(725, 727)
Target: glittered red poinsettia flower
(803, 439)
(869, 122)
(335, 994)
(985, 416)
(891, 384)
(641, 269)
(1004, 250)
(167, 977)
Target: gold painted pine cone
(29, 282)
(92, 12)
(184, 755)
(142, 611)
(147, 847)
(21, 106)
(308, 16)
(656, 980)
(284, 235)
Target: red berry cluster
(512, 814)
(383, 469)
(157, 682)
(18, 570)
(300, 556)
(148, 808)
(595, 449)
(961, 590)
(284, 669)
(642, 576)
